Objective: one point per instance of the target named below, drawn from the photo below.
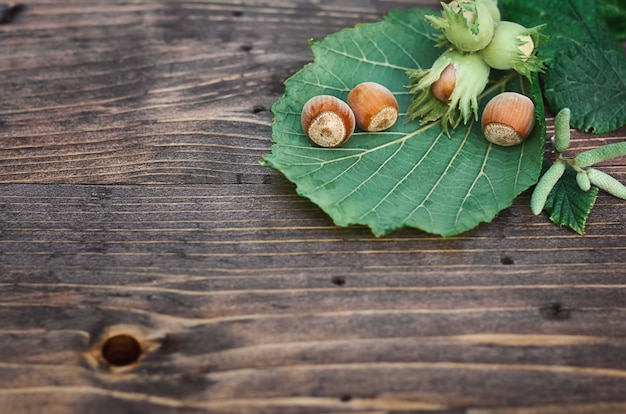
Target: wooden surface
(149, 264)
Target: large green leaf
(576, 74)
(568, 22)
(614, 13)
(587, 68)
(411, 175)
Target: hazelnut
(508, 119)
(328, 121)
(443, 87)
(375, 108)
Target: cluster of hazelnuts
(476, 40)
(329, 122)
(507, 119)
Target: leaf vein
(368, 61)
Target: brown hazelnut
(375, 108)
(327, 120)
(443, 87)
(508, 118)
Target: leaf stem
(500, 84)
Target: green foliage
(567, 204)
(572, 193)
(595, 96)
(411, 175)
(568, 22)
(614, 12)
(587, 68)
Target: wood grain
(236, 313)
(132, 203)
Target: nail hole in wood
(258, 108)
(8, 13)
(555, 312)
(237, 13)
(507, 260)
(345, 398)
(121, 350)
(338, 280)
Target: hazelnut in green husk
(492, 6)
(513, 46)
(449, 90)
(467, 25)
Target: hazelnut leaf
(595, 96)
(614, 12)
(560, 17)
(411, 175)
(586, 66)
(567, 204)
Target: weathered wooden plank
(336, 376)
(225, 292)
(235, 228)
(153, 91)
(156, 92)
(247, 298)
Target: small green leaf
(409, 175)
(567, 204)
(592, 83)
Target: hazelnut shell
(508, 119)
(443, 87)
(375, 108)
(327, 120)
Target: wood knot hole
(121, 350)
